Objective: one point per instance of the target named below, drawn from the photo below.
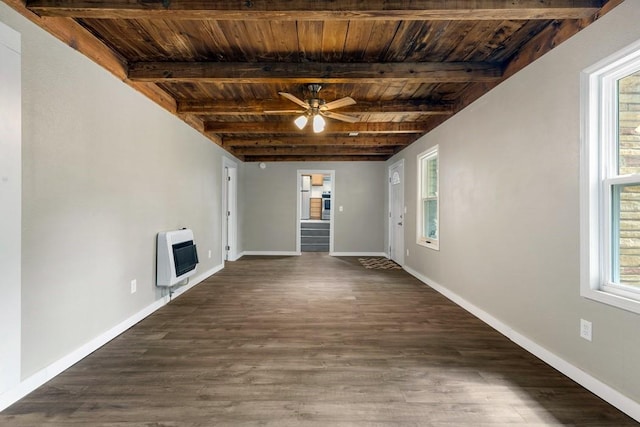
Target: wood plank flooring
(311, 341)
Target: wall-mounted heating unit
(177, 257)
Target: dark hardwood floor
(311, 341)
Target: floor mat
(379, 263)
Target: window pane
(626, 235)
(424, 167)
(430, 222)
(429, 177)
(432, 174)
(427, 215)
(629, 124)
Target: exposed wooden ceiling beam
(312, 150)
(234, 108)
(315, 158)
(333, 141)
(313, 72)
(290, 10)
(332, 127)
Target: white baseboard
(293, 253)
(235, 257)
(614, 397)
(196, 280)
(374, 254)
(39, 378)
(271, 253)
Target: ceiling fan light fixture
(301, 122)
(318, 123)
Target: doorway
(229, 210)
(315, 195)
(396, 212)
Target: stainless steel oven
(326, 206)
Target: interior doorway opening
(315, 213)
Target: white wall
(269, 204)
(104, 170)
(10, 207)
(509, 241)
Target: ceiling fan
(316, 108)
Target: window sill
(431, 244)
(611, 299)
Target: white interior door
(396, 212)
(229, 220)
(305, 197)
(10, 214)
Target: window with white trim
(610, 193)
(428, 199)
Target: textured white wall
(104, 170)
(509, 243)
(10, 207)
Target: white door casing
(396, 212)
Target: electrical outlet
(209, 253)
(134, 286)
(340, 208)
(585, 329)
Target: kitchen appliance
(305, 197)
(326, 205)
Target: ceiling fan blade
(295, 99)
(338, 116)
(285, 111)
(342, 102)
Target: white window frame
(599, 156)
(420, 238)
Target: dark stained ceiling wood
(323, 141)
(333, 127)
(219, 65)
(286, 10)
(258, 107)
(308, 72)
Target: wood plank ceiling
(219, 65)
